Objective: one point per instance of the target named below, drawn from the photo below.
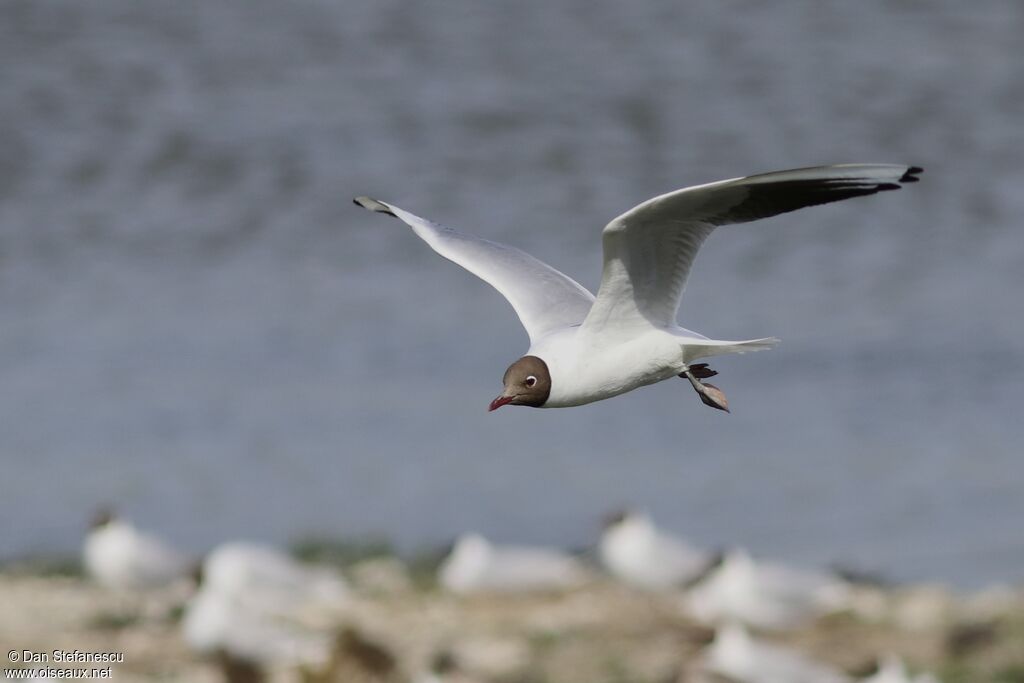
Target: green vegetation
(339, 552)
(45, 565)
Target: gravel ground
(601, 633)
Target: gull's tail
(703, 348)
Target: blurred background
(201, 329)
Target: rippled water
(200, 327)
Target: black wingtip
(373, 205)
(911, 175)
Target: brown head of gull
(527, 382)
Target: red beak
(499, 402)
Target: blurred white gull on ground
(118, 555)
(275, 579)
(740, 658)
(475, 565)
(640, 554)
(763, 594)
(259, 606)
(238, 630)
(892, 669)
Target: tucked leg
(700, 371)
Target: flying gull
(585, 348)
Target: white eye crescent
(530, 380)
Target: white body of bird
(248, 631)
(587, 367)
(263, 573)
(637, 552)
(118, 555)
(741, 658)
(477, 566)
(763, 594)
(260, 605)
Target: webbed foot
(710, 395)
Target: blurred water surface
(200, 327)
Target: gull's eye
(530, 381)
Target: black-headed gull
(257, 606)
(585, 348)
(636, 551)
(273, 579)
(475, 565)
(764, 595)
(120, 556)
(737, 656)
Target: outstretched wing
(649, 249)
(543, 298)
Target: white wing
(543, 298)
(649, 249)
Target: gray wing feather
(544, 298)
(648, 251)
